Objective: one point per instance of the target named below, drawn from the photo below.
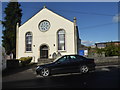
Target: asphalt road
(103, 77)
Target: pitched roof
(47, 9)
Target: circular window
(44, 25)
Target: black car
(67, 64)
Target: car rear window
(72, 57)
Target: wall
(49, 37)
(107, 60)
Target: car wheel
(84, 69)
(45, 72)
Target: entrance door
(44, 51)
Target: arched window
(61, 39)
(28, 39)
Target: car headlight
(37, 67)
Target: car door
(62, 65)
(74, 63)
(82, 60)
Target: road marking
(105, 69)
(38, 76)
(107, 66)
(34, 73)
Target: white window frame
(58, 42)
(28, 40)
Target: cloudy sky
(97, 21)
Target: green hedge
(25, 60)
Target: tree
(112, 50)
(100, 51)
(13, 16)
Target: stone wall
(44, 61)
(107, 60)
(98, 60)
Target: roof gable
(46, 9)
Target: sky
(96, 21)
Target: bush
(25, 60)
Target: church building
(47, 35)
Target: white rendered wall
(49, 37)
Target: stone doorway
(44, 52)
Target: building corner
(17, 38)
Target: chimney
(75, 20)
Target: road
(103, 77)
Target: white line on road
(107, 66)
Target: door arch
(44, 51)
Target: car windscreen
(57, 59)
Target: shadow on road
(10, 71)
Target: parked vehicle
(67, 64)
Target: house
(104, 44)
(47, 35)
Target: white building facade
(46, 35)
